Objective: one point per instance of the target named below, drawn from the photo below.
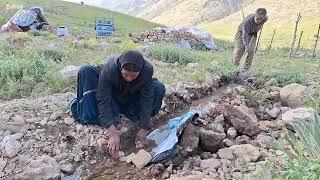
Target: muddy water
(108, 168)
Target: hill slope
(173, 12)
(79, 19)
(282, 15)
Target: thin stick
(295, 34)
(315, 45)
(270, 45)
(295, 53)
(258, 43)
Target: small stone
(68, 169)
(232, 133)
(12, 147)
(216, 127)
(274, 113)
(225, 153)
(47, 149)
(267, 141)
(210, 164)
(121, 154)
(279, 153)
(55, 115)
(219, 118)
(228, 142)
(79, 127)
(128, 159)
(141, 159)
(68, 121)
(77, 158)
(44, 121)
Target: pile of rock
(234, 136)
(175, 35)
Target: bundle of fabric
(25, 20)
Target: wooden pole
(270, 45)
(295, 34)
(315, 45)
(258, 43)
(242, 12)
(295, 53)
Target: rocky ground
(235, 136)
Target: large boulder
(189, 140)
(243, 119)
(307, 114)
(246, 152)
(10, 145)
(210, 140)
(44, 168)
(294, 95)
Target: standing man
(246, 37)
(124, 85)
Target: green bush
(127, 45)
(314, 102)
(54, 54)
(172, 53)
(21, 70)
(304, 163)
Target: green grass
(314, 102)
(25, 71)
(304, 163)
(219, 63)
(79, 19)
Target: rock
(271, 82)
(242, 119)
(274, 96)
(189, 177)
(77, 158)
(68, 120)
(3, 164)
(18, 120)
(11, 146)
(121, 154)
(219, 118)
(274, 113)
(167, 172)
(210, 164)
(210, 140)
(216, 127)
(268, 125)
(228, 142)
(68, 169)
(55, 115)
(232, 133)
(44, 121)
(189, 139)
(294, 95)
(226, 153)
(70, 71)
(44, 168)
(243, 139)
(141, 159)
(15, 124)
(247, 152)
(24, 159)
(306, 114)
(267, 141)
(128, 159)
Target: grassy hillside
(282, 15)
(188, 12)
(79, 19)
